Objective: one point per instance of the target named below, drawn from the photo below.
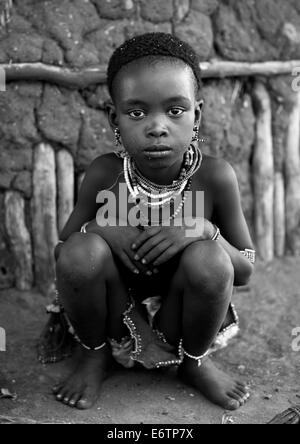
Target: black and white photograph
(150, 214)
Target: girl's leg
(197, 301)
(94, 298)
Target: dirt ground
(269, 310)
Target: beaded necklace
(145, 218)
(141, 188)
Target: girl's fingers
(128, 263)
(166, 256)
(140, 240)
(156, 252)
(144, 236)
(137, 268)
(147, 247)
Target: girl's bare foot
(81, 389)
(214, 384)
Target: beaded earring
(118, 137)
(196, 137)
(196, 134)
(120, 152)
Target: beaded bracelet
(249, 254)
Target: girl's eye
(176, 112)
(137, 114)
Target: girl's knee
(207, 266)
(84, 255)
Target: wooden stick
(236, 69)
(263, 174)
(82, 78)
(44, 220)
(70, 78)
(279, 214)
(19, 239)
(65, 187)
(5, 13)
(292, 175)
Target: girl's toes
(66, 399)
(84, 403)
(242, 397)
(246, 397)
(61, 394)
(233, 404)
(87, 400)
(56, 388)
(235, 395)
(74, 399)
(243, 387)
(240, 392)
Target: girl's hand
(120, 239)
(157, 245)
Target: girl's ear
(198, 111)
(112, 115)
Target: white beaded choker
(142, 189)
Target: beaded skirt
(145, 344)
(148, 346)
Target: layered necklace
(154, 196)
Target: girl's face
(155, 109)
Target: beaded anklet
(196, 358)
(76, 337)
(57, 307)
(87, 347)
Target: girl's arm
(229, 217)
(97, 177)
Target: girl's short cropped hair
(152, 44)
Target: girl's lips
(158, 153)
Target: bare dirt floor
(262, 354)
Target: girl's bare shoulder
(215, 171)
(103, 170)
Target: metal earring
(196, 134)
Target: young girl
(148, 293)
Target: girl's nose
(157, 129)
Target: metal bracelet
(217, 234)
(83, 228)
